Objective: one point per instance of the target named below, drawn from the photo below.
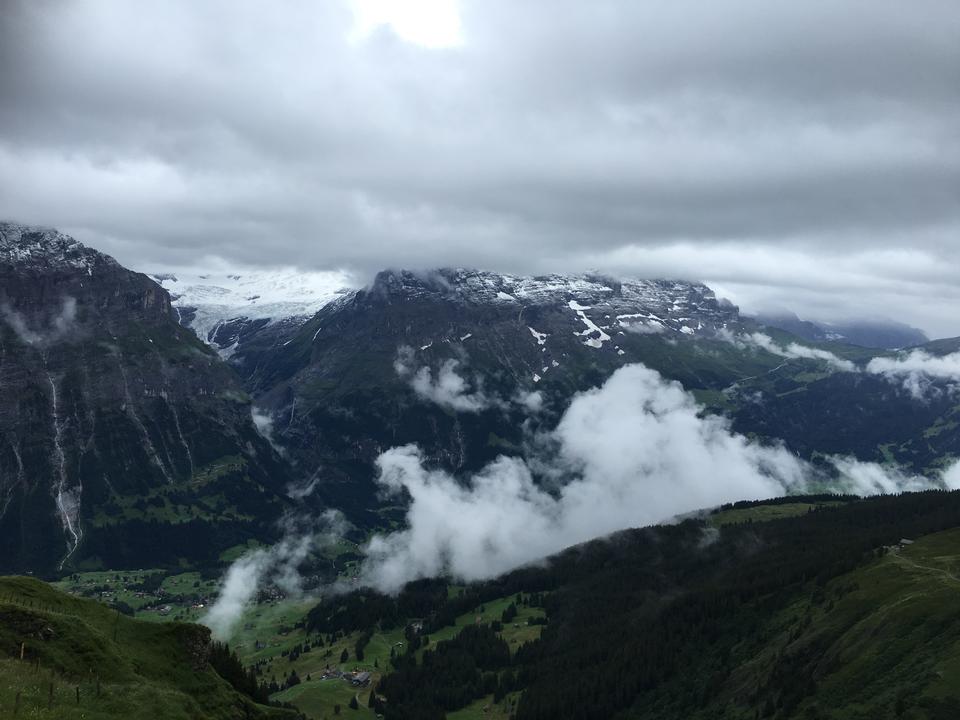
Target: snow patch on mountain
(218, 296)
(541, 337)
(592, 327)
(638, 305)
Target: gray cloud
(799, 155)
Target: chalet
(360, 679)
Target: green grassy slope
(879, 640)
(894, 635)
(268, 632)
(882, 641)
(122, 667)
(793, 609)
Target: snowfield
(229, 294)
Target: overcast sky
(797, 154)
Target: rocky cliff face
(114, 419)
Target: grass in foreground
(142, 670)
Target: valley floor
(878, 642)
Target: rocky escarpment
(115, 422)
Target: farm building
(361, 679)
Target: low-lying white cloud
(56, 328)
(634, 452)
(951, 476)
(869, 478)
(531, 400)
(263, 422)
(644, 327)
(245, 577)
(304, 488)
(917, 370)
(277, 565)
(792, 351)
(448, 388)
(796, 351)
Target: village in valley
(322, 674)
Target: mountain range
(165, 419)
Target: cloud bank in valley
(277, 565)
(793, 351)
(869, 478)
(634, 452)
(917, 370)
(951, 476)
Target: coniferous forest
(661, 622)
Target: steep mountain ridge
(41, 249)
(113, 418)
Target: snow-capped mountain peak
(41, 248)
(640, 304)
(206, 300)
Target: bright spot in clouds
(428, 23)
